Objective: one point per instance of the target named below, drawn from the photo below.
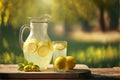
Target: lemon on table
(26, 68)
(70, 62)
(35, 68)
(31, 46)
(43, 49)
(59, 46)
(60, 62)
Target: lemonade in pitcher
(38, 47)
(59, 49)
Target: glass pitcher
(37, 48)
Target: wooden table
(80, 72)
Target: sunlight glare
(47, 2)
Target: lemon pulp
(31, 46)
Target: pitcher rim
(44, 18)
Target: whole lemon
(26, 68)
(60, 62)
(70, 62)
(35, 68)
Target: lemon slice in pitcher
(59, 46)
(31, 46)
(43, 49)
(50, 45)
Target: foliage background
(91, 28)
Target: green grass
(95, 54)
(11, 58)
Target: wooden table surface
(81, 72)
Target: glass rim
(60, 41)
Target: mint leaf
(20, 64)
(32, 67)
(30, 64)
(21, 68)
(25, 62)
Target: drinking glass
(59, 49)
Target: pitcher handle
(21, 42)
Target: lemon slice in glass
(43, 49)
(59, 46)
(31, 46)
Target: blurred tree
(16, 12)
(71, 12)
(101, 6)
(112, 7)
(65, 11)
(74, 11)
